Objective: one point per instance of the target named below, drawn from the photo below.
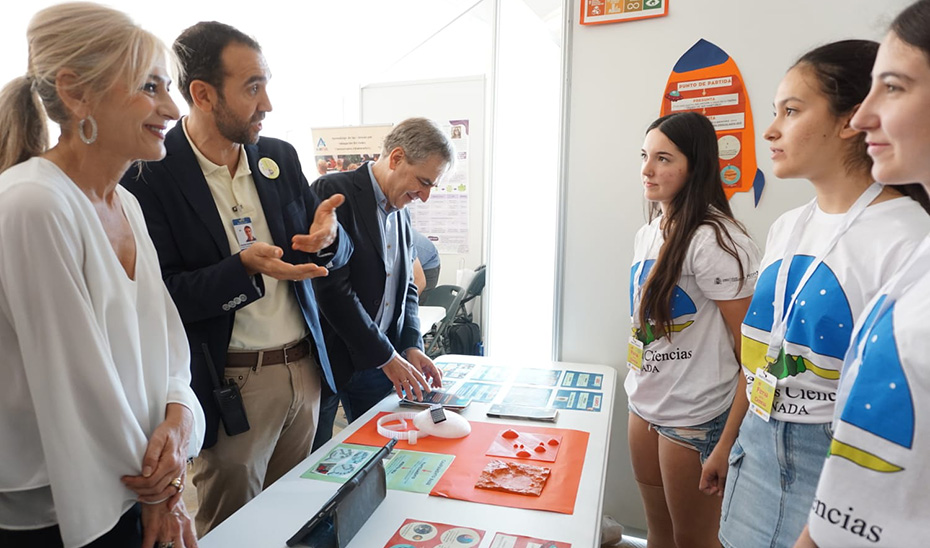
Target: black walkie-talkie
(228, 399)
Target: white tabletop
(276, 514)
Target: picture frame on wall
(597, 12)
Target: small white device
(393, 426)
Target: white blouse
(90, 358)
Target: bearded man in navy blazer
(239, 236)
(370, 306)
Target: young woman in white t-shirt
(823, 262)
(874, 489)
(690, 285)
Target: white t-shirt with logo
(821, 321)
(875, 486)
(691, 378)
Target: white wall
(618, 73)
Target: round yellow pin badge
(269, 168)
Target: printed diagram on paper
(532, 387)
(413, 471)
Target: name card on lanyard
(764, 383)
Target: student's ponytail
(23, 127)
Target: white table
(430, 315)
(276, 514)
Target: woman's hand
(165, 459)
(714, 472)
(166, 526)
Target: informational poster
(454, 370)
(528, 395)
(479, 391)
(346, 148)
(525, 386)
(538, 377)
(340, 463)
(424, 534)
(502, 540)
(595, 12)
(413, 471)
(582, 379)
(705, 79)
(444, 218)
(493, 373)
(579, 400)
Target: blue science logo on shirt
(682, 305)
(880, 401)
(821, 320)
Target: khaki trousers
(282, 403)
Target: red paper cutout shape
(513, 444)
(510, 477)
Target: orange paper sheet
(470, 459)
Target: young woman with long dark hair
(873, 489)
(823, 262)
(691, 282)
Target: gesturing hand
(324, 229)
(266, 259)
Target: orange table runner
(470, 459)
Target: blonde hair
(102, 46)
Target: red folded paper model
(511, 477)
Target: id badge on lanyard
(762, 393)
(635, 347)
(779, 321)
(634, 354)
(245, 235)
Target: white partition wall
(618, 73)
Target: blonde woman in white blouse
(96, 411)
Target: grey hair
(420, 138)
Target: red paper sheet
(470, 459)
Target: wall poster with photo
(444, 218)
(346, 148)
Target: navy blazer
(207, 282)
(349, 298)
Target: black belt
(288, 354)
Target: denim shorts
(771, 482)
(701, 438)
